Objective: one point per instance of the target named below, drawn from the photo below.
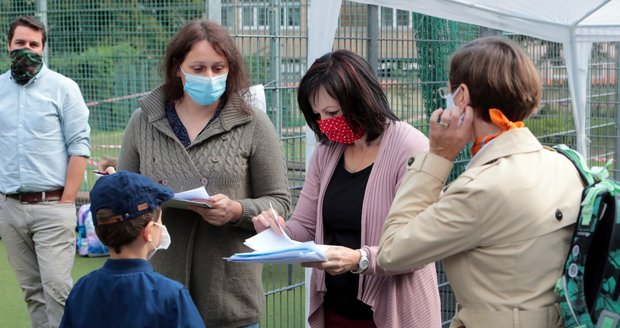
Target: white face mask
(164, 241)
(450, 99)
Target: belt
(541, 317)
(37, 197)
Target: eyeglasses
(444, 92)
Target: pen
(97, 172)
(275, 217)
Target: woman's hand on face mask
(224, 210)
(450, 131)
(340, 260)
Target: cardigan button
(224, 136)
(204, 181)
(163, 182)
(215, 159)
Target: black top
(177, 126)
(342, 218)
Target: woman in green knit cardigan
(198, 130)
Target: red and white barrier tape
(107, 146)
(95, 103)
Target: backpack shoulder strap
(580, 163)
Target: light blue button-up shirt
(42, 124)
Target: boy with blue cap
(126, 292)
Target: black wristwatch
(363, 264)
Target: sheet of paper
(268, 240)
(184, 199)
(198, 193)
(271, 248)
(289, 257)
(183, 204)
(256, 97)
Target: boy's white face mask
(164, 240)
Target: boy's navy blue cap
(127, 194)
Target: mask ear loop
(453, 95)
(152, 252)
(446, 94)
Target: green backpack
(589, 288)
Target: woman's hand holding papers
(224, 210)
(339, 260)
(267, 219)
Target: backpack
(87, 242)
(589, 287)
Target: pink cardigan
(403, 299)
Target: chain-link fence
(113, 48)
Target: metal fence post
(275, 60)
(41, 14)
(214, 10)
(617, 154)
(373, 37)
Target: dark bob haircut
(350, 80)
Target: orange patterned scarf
(498, 118)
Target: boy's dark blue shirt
(128, 293)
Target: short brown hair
(29, 22)
(118, 234)
(498, 74)
(183, 42)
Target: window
(248, 17)
(228, 16)
(394, 18)
(255, 15)
(290, 16)
(291, 65)
(387, 17)
(402, 18)
(259, 14)
(262, 16)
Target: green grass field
(13, 309)
(284, 308)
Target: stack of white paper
(184, 199)
(271, 248)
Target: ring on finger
(443, 124)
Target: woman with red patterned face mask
(349, 186)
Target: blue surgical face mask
(204, 90)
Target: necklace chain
(357, 167)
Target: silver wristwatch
(363, 264)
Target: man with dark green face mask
(44, 144)
(25, 64)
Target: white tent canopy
(574, 23)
